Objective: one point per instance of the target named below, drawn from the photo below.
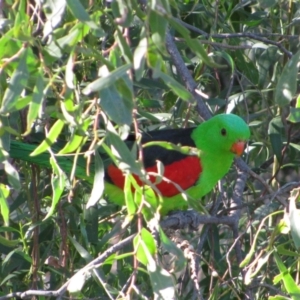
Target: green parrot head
(222, 134)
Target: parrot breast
(184, 173)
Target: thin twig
(254, 36)
(62, 290)
(186, 76)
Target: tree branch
(249, 35)
(186, 76)
(62, 290)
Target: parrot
(217, 141)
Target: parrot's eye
(223, 131)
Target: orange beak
(238, 148)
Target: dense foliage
(76, 77)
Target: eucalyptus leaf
(58, 182)
(275, 132)
(36, 103)
(294, 215)
(4, 208)
(50, 138)
(98, 184)
(287, 83)
(16, 85)
(79, 12)
(107, 81)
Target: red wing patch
(184, 172)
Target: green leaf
(107, 81)
(294, 116)
(139, 56)
(16, 85)
(8, 243)
(123, 12)
(50, 138)
(228, 58)
(144, 240)
(12, 174)
(161, 280)
(4, 208)
(81, 250)
(266, 58)
(79, 12)
(294, 215)
(275, 131)
(58, 182)
(278, 297)
(196, 46)
(288, 281)
(128, 195)
(120, 153)
(75, 142)
(5, 137)
(173, 250)
(174, 85)
(54, 10)
(124, 47)
(77, 282)
(69, 72)
(295, 146)
(36, 103)
(98, 185)
(287, 83)
(158, 25)
(177, 25)
(67, 42)
(77, 139)
(283, 251)
(116, 105)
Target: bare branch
(249, 35)
(186, 76)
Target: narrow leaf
(124, 47)
(288, 281)
(12, 174)
(120, 153)
(196, 46)
(76, 283)
(16, 85)
(139, 58)
(80, 13)
(107, 81)
(4, 208)
(36, 103)
(287, 83)
(56, 9)
(58, 182)
(81, 250)
(75, 142)
(117, 106)
(98, 185)
(50, 138)
(175, 86)
(161, 280)
(8, 243)
(294, 215)
(173, 250)
(128, 195)
(142, 241)
(275, 131)
(294, 116)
